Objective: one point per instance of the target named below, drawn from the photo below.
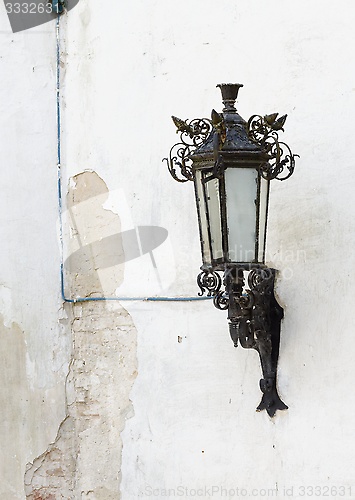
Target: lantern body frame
(220, 225)
(231, 193)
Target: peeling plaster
(52, 475)
(92, 268)
(85, 459)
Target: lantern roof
(227, 140)
(231, 127)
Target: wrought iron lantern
(231, 163)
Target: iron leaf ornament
(264, 132)
(192, 134)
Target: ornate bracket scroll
(264, 132)
(192, 134)
(254, 321)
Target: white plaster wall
(35, 345)
(125, 69)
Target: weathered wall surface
(85, 459)
(72, 376)
(35, 345)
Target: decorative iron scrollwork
(221, 300)
(192, 134)
(264, 132)
(209, 281)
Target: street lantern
(231, 163)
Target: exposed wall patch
(85, 459)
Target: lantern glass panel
(263, 204)
(241, 186)
(201, 207)
(213, 202)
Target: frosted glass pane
(241, 193)
(201, 207)
(264, 191)
(214, 214)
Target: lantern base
(254, 320)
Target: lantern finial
(229, 95)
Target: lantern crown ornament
(231, 162)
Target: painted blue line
(60, 210)
(136, 299)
